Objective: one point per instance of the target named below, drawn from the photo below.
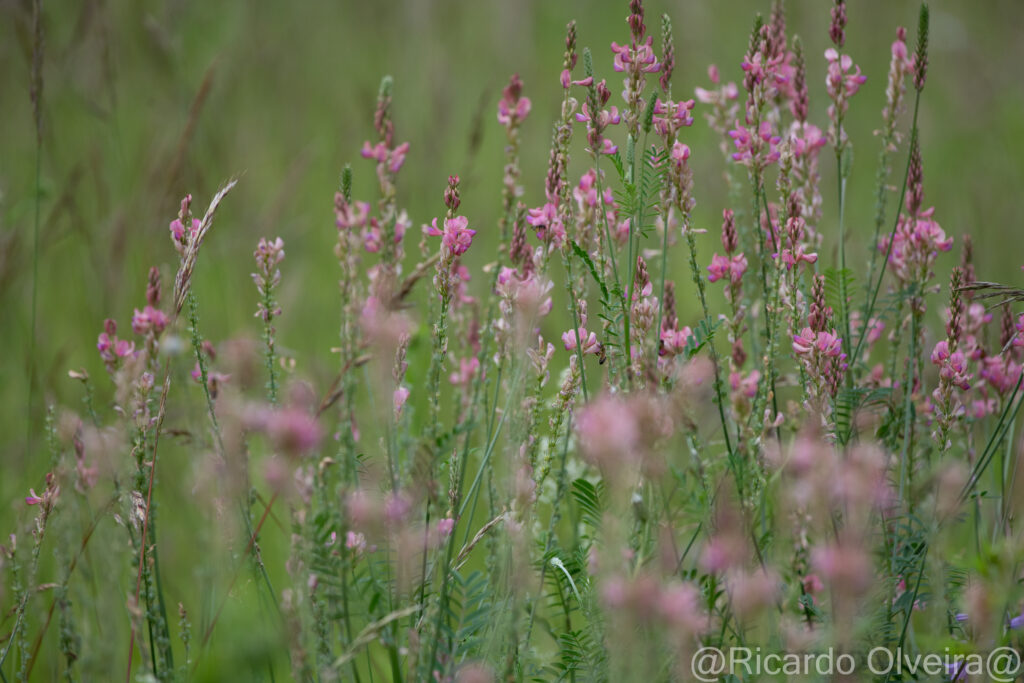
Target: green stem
(610, 246)
(870, 308)
(906, 467)
(35, 288)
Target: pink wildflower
(1001, 373)
(674, 341)
(456, 236)
(548, 224)
(391, 159)
(723, 267)
(642, 56)
(445, 526)
(760, 148)
(803, 343)
(178, 230)
(149, 320)
(398, 399)
(840, 77)
(745, 386)
(291, 430)
(513, 108)
(587, 341)
(669, 117)
(355, 542)
(468, 368)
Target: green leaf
(585, 257)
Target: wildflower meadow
(689, 391)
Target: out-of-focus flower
(513, 107)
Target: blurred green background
(145, 101)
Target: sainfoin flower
(639, 56)
(1001, 373)
(608, 430)
(755, 147)
(843, 75)
(720, 97)
(587, 341)
(513, 107)
(293, 431)
(916, 243)
(723, 267)
(445, 526)
(548, 224)
(110, 347)
(674, 341)
(597, 119)
(821, 354)
(456, 236)
(178, 229)
(745, 385)
(392, 159)
(670, 116)
(398, 399)
(148, 320)
(952, 366)
(355, 542)
(468, 368)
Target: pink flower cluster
(674, 340)
(598, 118)
(112, 349)
(456, 237)
(755, 148)
(1002, 373)
(588, 342)
(844, 77)
(724, 94)
(635, 57)
(733, 265)
(821, 354)
(723, 267)
(548, 225)
(513, 107)
(767, 71)
(952, 366)
(181, 235)
(148, 320)
(796, 251)
(390, 159)
(916, 243)
(670, 117)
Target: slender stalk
(610, 246)
(873, 298)
(909, 414)
(149, 508)
(36, 97)
(844, 303)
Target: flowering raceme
(844, 77)
(513, 107)
(755, 149)
(456, 235)
(598, 118)
(723, 267)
